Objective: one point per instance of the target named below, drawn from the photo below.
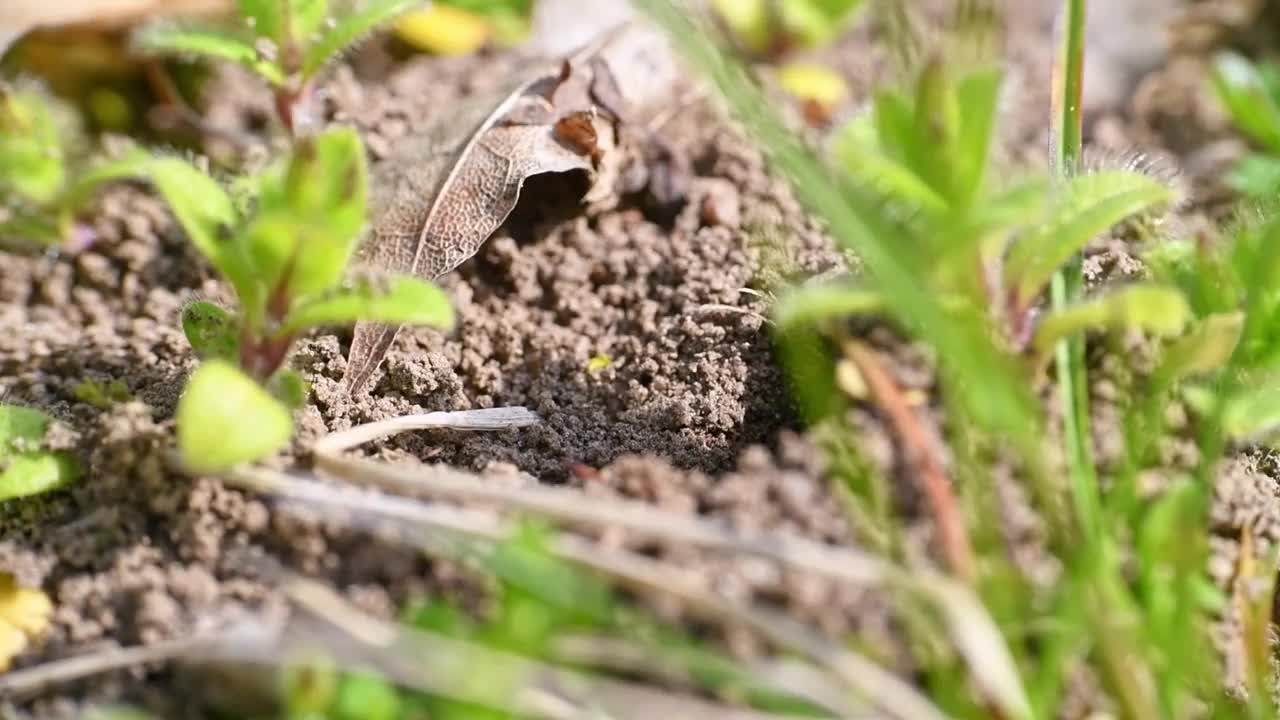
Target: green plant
(953, 258)
(287, 261)
(101, 394)
(285, 42)
(766, 27)
(43, 177)
(26, 468)
(1251, 94)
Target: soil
(627, 329)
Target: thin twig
(574, 508)
(37, 680)
(487, 419)
(448, 666)
(637, 572)
(920, 452)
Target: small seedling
(923, 158)
(43, 181)
(770, 28)
(102, 395)
(26, 468)
(1251, 94)
(285, 42)
(287, 261)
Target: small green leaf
(307, 17)
(1090, 205)
(813, 303)
(101, 395)
(1252, 412)
(363, 696)
(225, 418)
(1242, 90)
(398, 300)
(34, 473)
(289, 388)
(978, 94)
(311, 212)
(21, 429)
(349, 29)
(855, 149)
(208, 43)
(817, 22)
(1256, 175)
(205, 212)
(32, 161)
(1208, 347)
(1160, 310)
(264, 17)
(212, 331)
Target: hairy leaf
(225, 419)
(212, 331)
(1090, 204)
(208, 43)
(1156, 309)
(398, 300)
(347, 30)
(265, 17)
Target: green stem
(1068, 282)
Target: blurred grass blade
(857, 225)
(981, 643)
(1243, 92)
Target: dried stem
(921, 453)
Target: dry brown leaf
(448, 189)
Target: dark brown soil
(690, 411)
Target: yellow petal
(12, 642)
(23, 614)
(749, 19)
(443, 30)
(811, 81)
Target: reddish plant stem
(919, 449)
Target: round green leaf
(35, 473)
(225, 418)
